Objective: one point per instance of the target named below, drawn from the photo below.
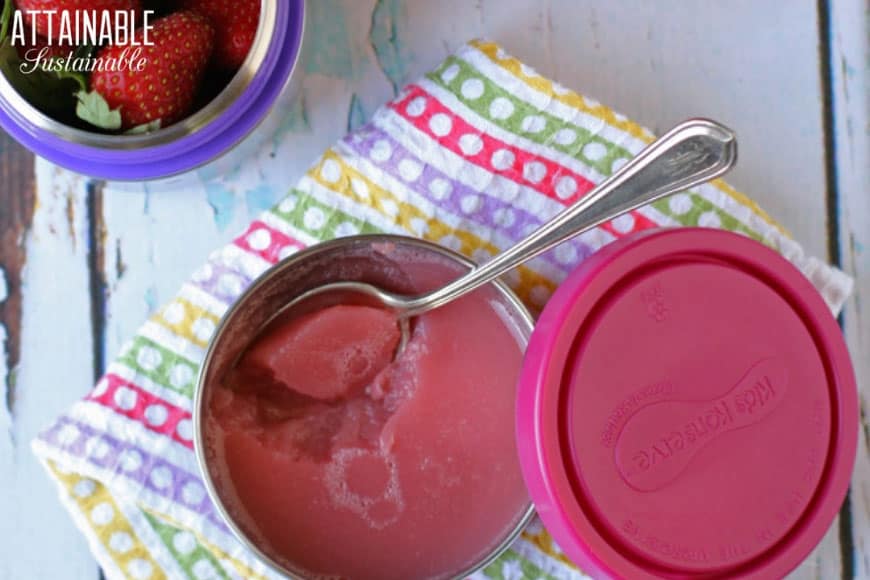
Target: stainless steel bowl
(241, 80)
(280, 284)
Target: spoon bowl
(355, 293)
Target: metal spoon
(691, 153)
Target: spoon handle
(691, 153)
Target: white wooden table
(82, 263)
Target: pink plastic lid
(687, 408)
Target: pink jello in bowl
(332, 458)
(685, 408)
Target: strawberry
(165, 89)
(42, 20)
(235, 23)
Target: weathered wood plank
(39, 539)
(153, 241)
(17, 202)
(825, 561)
(661, 62)
(16, 214)
(850, 67)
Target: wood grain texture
(17, 202)
(850, 68)
(54, 368)
(144, 263)
(116, 253)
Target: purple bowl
(203, 137)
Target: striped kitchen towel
(473, 156)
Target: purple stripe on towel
(511, 221)
(221, 281)
(134, 463)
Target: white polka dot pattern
(120, 542)
(566, 186)
(624, 223)
(410, 170)
(140, 569)
(565, 136)
(534, 171)
(161, 477)
(84, 488)
(440, 188)
(709, 219)
(330, 171)
(184, 543)
(174, 313)
(472, 88)
(102, 513)
(502, 159)
(500, 108)
(594, 151)
(450, 73)
(125, 398)
(470, 144)
(204, 570)
(156, 414)
(180, 375)
(360, 188)
(381, 151)
(314, 218)
(533, 124)
(680, 203)
(417, 106)
(148, 358)
(130, 460)
(259, 239)
(470, 203)
(185, 429)
(440, 124)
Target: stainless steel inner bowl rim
(509, 296)
(18, 107)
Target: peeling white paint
(4, 287)
(6, 420)
(5, 416)
(850, 67)
(4, 375)
(4, 365)
(53, 369)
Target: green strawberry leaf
(94, 109)
(5, 17)
(61, 93)
(84, 52)
(78, 77)
(143, 128)
(44, 90)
